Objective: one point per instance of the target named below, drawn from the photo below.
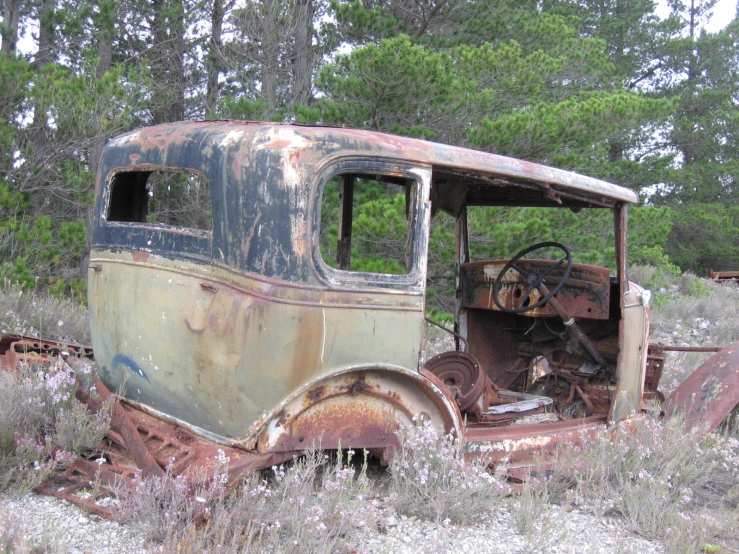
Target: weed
(429, 477)
(311, 505)
(78, 430)
(660, 477)
(42, 315)
(11, 538)
(531, 512)
(687, 532)
(42, 425)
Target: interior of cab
(536, 333)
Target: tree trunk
(215, 56)
(46, 34)
(167, 65)
(301, 59)
(105, 29)
(11, 19)
(271, 54)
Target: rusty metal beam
(123, 425)
(688, 348)
(346, 215)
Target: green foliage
(394, 86)
(46, 188)
(379, 228)
(603, 87)
(42, 252)
(662, 272)
(499, 233)
(705, 236)
(654, 256)
(439, 316)
(555, 131)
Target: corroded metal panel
(357, 407)
(710, 393)
(632, 359)
(517, 446)
(216, 349)
(586, 292)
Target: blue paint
(122, 359)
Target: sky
(723, 13)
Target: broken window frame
(169, 240)
(110, 187)
(419, 213)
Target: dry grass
(663, 481)
(43, 426)
(11, 536)
(531, 511)
(43, 315)
(429, 477)
(311, 505)
(694, 298)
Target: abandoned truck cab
(221, 300)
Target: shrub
(42, 315)
(429, 476)
(78, 430)
(42, 425)
(653, 270)
(659, 476)
(311, 505)
(705, 236)
(160, 507)
(11, 537)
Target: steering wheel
(533, 278)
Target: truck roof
(454, 167)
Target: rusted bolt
(208, 287)
(357, 388)
(97, 267)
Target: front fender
(710, 393)
(356, 407)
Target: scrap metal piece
(524, 403)
(166, 446)
(16, 349)
(688, 348)
(710, 393)
(724, 276)
(135, 445)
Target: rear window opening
(178, 198)
(366, 223)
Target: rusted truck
(227, 317)
(227, 320)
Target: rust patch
(316, 393)
(141, 256)
(20, 349)
(345, 424)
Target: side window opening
(366, 223)
(176, 198)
